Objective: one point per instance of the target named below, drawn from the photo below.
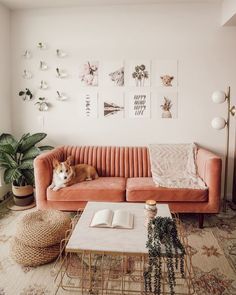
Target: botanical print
(139, 73)
(88, 104)
(165, 73)
(168, 105)
(210, 251)
(113, 73)
(139, 105)
(113, 104)
(89, 73)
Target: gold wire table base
(108, 273)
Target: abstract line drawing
(112, 109)
(89, 73)
(113, 73)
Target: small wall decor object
(26, 95)
(113, 104)
(27, 54)
(165, 73)
(41, 45)
(43, 85)
(61, 73)
(139, 104)
(61, 96)
(43, 66)
(60, 53)
(168, 105)
(221, 123)
(42, 104)
(89, 73)
(27, 75)
(114, 73)
(139, 73)
(89, 104)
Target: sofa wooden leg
(200, 220)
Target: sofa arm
(209, 168)
(43, 170)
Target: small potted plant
(166, 107)
(26, 95)
(16, 158)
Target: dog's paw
(52, 186)
(55, 188)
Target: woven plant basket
(33, 256)
(43, 228)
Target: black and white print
(139, 104)
(114, 73)
(113, 104)
(89, 104)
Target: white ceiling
(28, 4)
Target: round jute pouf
(33, 256)
(43, 228)
(38, 236)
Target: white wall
(228, 16)
(190, 33)
(5, 120)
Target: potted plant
(26, 95)
(17, 157)
(166, 107)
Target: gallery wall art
(88, 104)
(168, 105)
(138, 73)
(139, 104)
(107, 88)
(113, 73)
(113, 104)
(88, 73)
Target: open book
(115, 219)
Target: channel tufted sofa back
(112, 161)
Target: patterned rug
(213, 255)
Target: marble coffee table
(111, 260)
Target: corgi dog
(64, 174)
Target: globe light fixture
(220, 123)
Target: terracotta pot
(23, 195)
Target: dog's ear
(69, 160)
(55, 163)
(161, 77)
(172, 77)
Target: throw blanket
(173, 166)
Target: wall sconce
(220, 123)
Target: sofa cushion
(140, 189)
(101, 189)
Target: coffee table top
(85, 238)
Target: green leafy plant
(17, 157)
(162, 231)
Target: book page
(102, 218)
(122, 219)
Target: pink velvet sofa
(125, 175)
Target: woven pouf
(33, 256)
(38, 236)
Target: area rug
(213, 255)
